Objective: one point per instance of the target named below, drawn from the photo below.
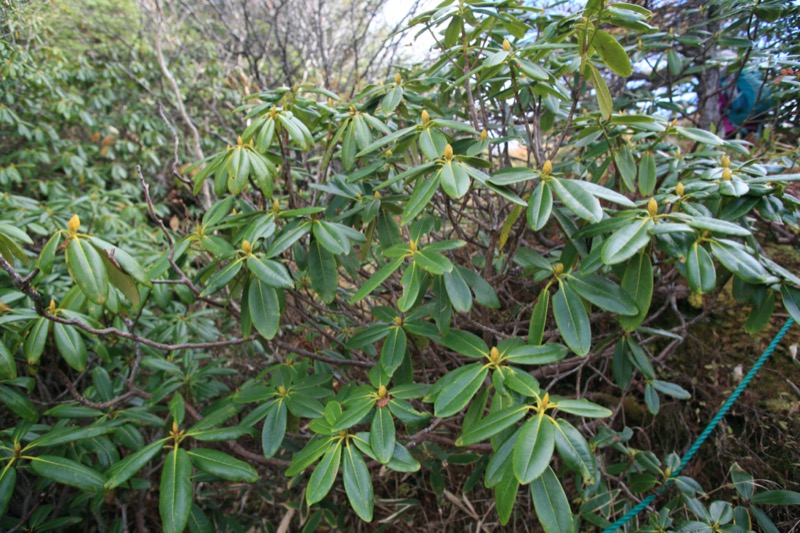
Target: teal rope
(706, 432)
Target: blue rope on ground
(706, 432)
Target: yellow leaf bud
(73, 224)
(247, 248)
(425, 117)
(506, 45)
(726, 174)
(448, 153)
(239, 140)
(377, 195)
(382, 392)
(545, 401)
(276, 206)
(398, 321)
(558, 269)
(679, 189)
(282, 390)
(547, 168)
(398, 79)
(494, 354)
(52, 307)
(726, 161)
(652, 207)
(388, 153)
(484, 135)
(413, 245)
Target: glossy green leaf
(321, 480)
(551, 504)
(432, 262)
(264, 308)
(604, 100)
(458, 392)
(35, 340)
(420, 198)
(48, 255)
(8, 480)
(612, 53)
(776, 497)
(647, 174)
(505, 495)
(534, 448)
(603, 293)
(626, 165)
(175, 497)
(577, 199)
(270, 272)
(382, 435)
(539, 318)
(68, 472)
(581, 407)
(528, 354)
(222, 465)
(125, 469)
(700, 271)
(454, 180)
(540, 206)
(274, 429)
(70, 345)
(638, 283)
(791, 300)
(323, 272)
(458, 291)
(491, 425)
(19, 404)
(626, 241)
(8, 368)
(465, 343)
(572, 319)
(377, 279)
(739, 262)
(358, 483)
(574, 450)
(86, 268)
(393, 350)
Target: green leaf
(626, 166)
(739, 262)
(222, 465)
(581, 407)
(671, 389)
(377, 279)
(432, 262)
(604, 100)
(271, 273)
(393, 350)
(321, 480)
(717, 226)
(175, 498)
(20, 405)
(8, 368)
(505, 496)
(86, 267)
(123, 260)
(274, 429)
(458, 392)
(382, 435)
(539, 318)
(551, 504)
(125, 469)
(465, 343)
(572, 319)
(423, 192)
(534, 448)
(742, 481)
(322, 270)
(491, 425)
(458, 291)
(638, 283)
(64, 435)
(777, 497)
(574, 450)
(315, 449)
(603, 293)
(626, 241)
(577, 199)
(330, 238)
(647, 174)
(358, 483)
(700, 272)
(701, 136)
(791, 300)
(48, 256)
(528, 354)
(264, 308)
(540, 206)
(68, 472)
(454, 180)
(35, 340)
(8, 480)
(612, 53)
(70, 345)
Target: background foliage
(276, 275)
